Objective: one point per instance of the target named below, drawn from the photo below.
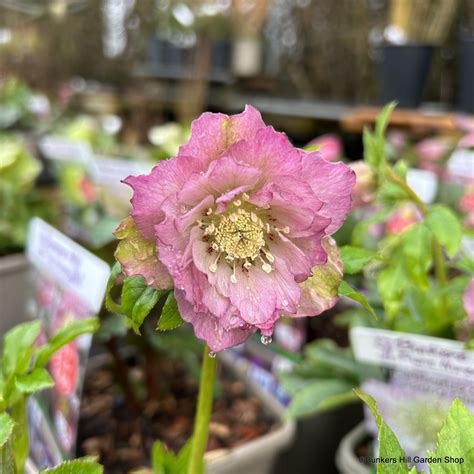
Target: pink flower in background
(467, 201)
(330, 147)
(431, 152)
(467, 141)
(364, 189)
(398, 139)
(241, 222)
(402, 219)
(468, 300)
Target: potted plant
(260, 223)
(20, 201)
(415, 274)
(415, 29)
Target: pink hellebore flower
(469, 301)
(467, 141)
(331, 147)
(364, 189)
(431, 152)
(402, 219)
(238, 223)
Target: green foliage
(85, 465)
(388, 442)
(22, 374)
(455, 440)
(446, 228)
(165, 461)
(170, 317)
(345, 290)
(355, 258)
(324, 379)
(20, 202)
(138, 300)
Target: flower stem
(203, 413)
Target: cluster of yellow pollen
(238, 237)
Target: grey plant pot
(14, 288)
(346, 460)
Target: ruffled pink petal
(212, 134)
(320, 291)
(332, 183)
(269, 151)
(257, 294)
(149, 191)
(222, 176)
(207, 327)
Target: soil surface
(123, 437)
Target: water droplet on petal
(266, 340)
(285, 303)
(212, 355)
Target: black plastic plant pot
(466, 74)
(404, 71)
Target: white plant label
(424, 183)
(62, 149)
(107, 170)
(412, 351)
(67, 262)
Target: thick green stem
(20, 441)
(203, 413)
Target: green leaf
(355, 258)
(327, 353)
(371, 149)
(182, 459)
(456, 439)
(319, 396)
(85, 465)
(162, 460)
(138, 300)
(345, 290)
(6, 428)
(38, 379)
(389, 445)
(170, 317)
(110, 304)
(446, 227)
(65, 336)
(382, 120)
(17, 347)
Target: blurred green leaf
(110, 304)
(17, 347)
(446, 227)
(170, 317)
(38, 379)
(6, 428)
(355, 258)
(64, 336)
(345, 290)
(320, 396)
(456, 440)
(85, 465)
(389, 447)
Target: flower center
(238, 237)
(240, 234)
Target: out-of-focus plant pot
(404, 70)
(466, 74)
(316, 441)
(14, 270)
(260, 455)
(346, 459)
